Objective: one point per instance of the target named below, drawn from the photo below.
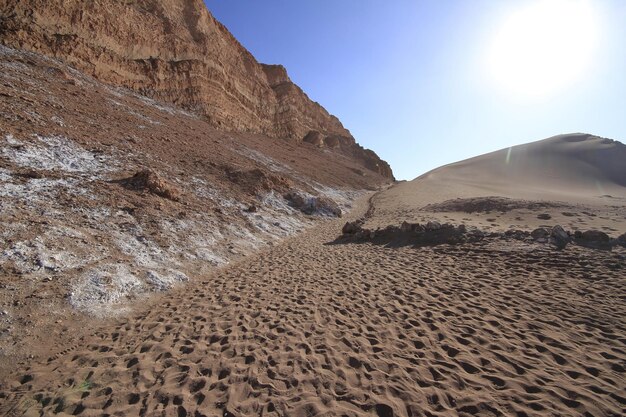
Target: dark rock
(540, 233)
(559, 237)
(433, 233)
(595, 236)
(621, 240)
(544, 216)
(351, 228)
(30, 174)
(516, 234)
(595, 239)
(433, 225)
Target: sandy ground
(305, 327)
(312, 328)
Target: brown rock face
(150, 181)
(175, 51)
(296, 114)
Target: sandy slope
(310, 328)
(581, 175)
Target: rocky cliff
(176, 51)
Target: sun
(544, 47)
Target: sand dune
(573, 174)
(563, 167)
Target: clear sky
(429, 82)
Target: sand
(579, 180)
(313, 328)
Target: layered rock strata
(176, 51)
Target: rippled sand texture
(310, 328)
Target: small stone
(544, 216)
(405, 227)
(351, 228)
(540, 233)
(433, 225)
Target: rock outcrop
(434, 233)
(313, 205)
(176, 51)
(149, 181)
(430, 234)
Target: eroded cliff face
(176, 51)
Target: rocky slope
(107, 196)
(175, 51)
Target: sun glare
(545, 46)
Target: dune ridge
(578, 180)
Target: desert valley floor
(312, 327)
(185, 232)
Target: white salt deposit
(53, 153)
(100, 289)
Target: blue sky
(413, 80)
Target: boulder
(595, 236)
(516, 234)
(351, 228)
(314, 138)
(435, 233)
(433, 225)
(332, 142)
(540, 233)
(150, 181)
(559, 237)
(595, 239)
(311, 205)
